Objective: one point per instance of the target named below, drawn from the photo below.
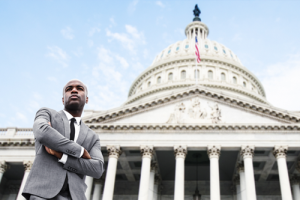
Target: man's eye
(68, 89)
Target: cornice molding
(200, 91)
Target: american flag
(197, 50)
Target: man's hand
(54, 153)
(86, 154)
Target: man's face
(74, 95)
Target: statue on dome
(197, 12)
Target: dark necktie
(72, 127)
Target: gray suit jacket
(47, 175)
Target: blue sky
(106, 44)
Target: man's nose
(74, 90)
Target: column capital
(236, 179)
(180, 151)
(3, 166)
(214, 151)
(27, 165)
(146, 151)
(280, 151)
(114, 151)
(294, 180)
(240, 166)
(247, 151)
(153, 166)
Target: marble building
(183, 127)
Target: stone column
(240, 168)
(97, 189)
(145, 171)
(237, 183)
(89, 184)
(280, 154)
(3, 168)
(151, 181)
(27, 165)
(180, 153)
(214, 154)
(114, 153)
(247, 154)
(295, 186)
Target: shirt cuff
(63, 159)
(82, 151)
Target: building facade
(184, 127)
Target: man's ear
(86, 100)
(63, 101)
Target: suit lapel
(82, 133)
(66, 124)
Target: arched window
(197, 74)
(244, 84)
(149, 84)
(234, 80)
(170, 76)
(210, 74)
(158, 79)
(223, 77)
(183, 74)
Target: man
(66, 150)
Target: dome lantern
(196, 27)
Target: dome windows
(183, 74)
(187, 46)
(234, 80)
(223, 77)
(170, 76)
(215, 48)
(162, 55)
(169, 51)
(206, 46)
(224, 51)
(177, 48)
(210, 74)
(158, 80)
(197, 74)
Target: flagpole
(196, 71)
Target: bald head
(75, 80)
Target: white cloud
(122, 61)
(93, 31)
(58, 54)
(112, 22)
(281, 82)
(132, 6)
(78, 52)
(135, 33)
(160, 4)
(67, 33)
(130, 39)
(104, 55)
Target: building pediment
(194, 105)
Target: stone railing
(13, 132)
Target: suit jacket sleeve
(93, 167)
(50, 137)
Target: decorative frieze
(114, 151)
(153, 166)
(146, 151)
(180, 151)
(247, 151)
(214, 151)
(240, 167)
(280, 151)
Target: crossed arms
(91, 163)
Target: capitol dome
(175, 68)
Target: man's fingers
(49, 123)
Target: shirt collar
(69, 116)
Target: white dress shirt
(77, 129)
